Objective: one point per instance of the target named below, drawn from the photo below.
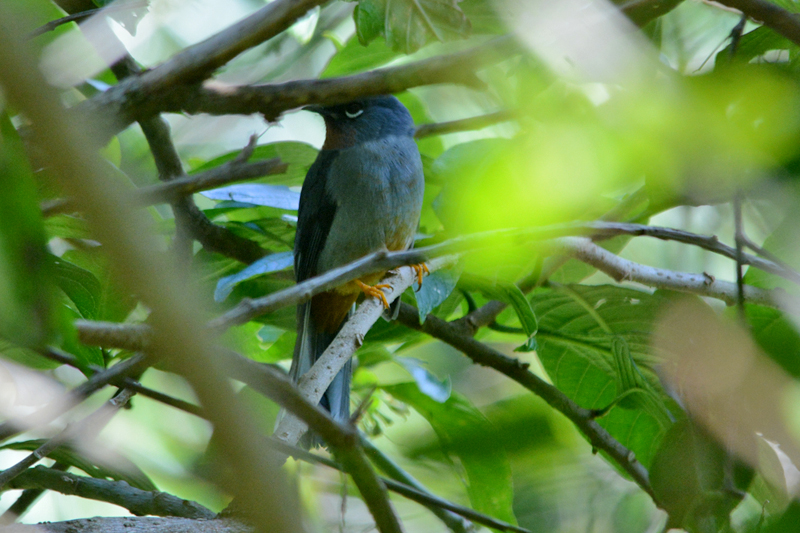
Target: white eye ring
(353, 115)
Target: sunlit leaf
(410, 24)
(265, 265)
(276, 196)
(427, 383)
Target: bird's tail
(311, 343)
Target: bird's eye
(353, 110)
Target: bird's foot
(375, 291)
(420, 269)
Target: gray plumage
(362, 194)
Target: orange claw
(419, 269)
(375, 290)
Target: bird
(362, 194)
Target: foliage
(696, 117)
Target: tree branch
(133, 524)
(582, 418)
(465, 124)
(123, 104)
(315, 382)
(771, 15)
(137, 501)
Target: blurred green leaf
(410, 24)
(123, 470)
(80, 285)
(26, 289)
(690, 477)
(465, 433)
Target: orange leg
(375, 291)
(420, 269)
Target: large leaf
(435, 289)
(408, 25)
(464, 432)
(577, 328)
(80, 285)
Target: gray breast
(378, 187)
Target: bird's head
(363, 120)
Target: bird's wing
(314, 217)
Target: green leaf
(435, 289)
(427, 383)
(464, 432)
(299, 156)
(26, 289)
(512, 295)
(753, 44)
(356, 57)
(577, 327)
(123, 470)
(265, 265)
(80, 285)
(690, 477)
(408, 25)
(277, 196)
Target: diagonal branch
(582, 418)
(123, 104)
(315, 382)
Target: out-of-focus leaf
(435, 289)
(87, 355)
(80, 285)
(512, 295)
(114, 301)
(26, 289)
(123, 470)
(355, 57)
(270, 263)
(408, 25)
(576, 330)
(277, 196)
(689, 475)
(25, 356)
(298, 156)
(427, 383)
(66, 227)
(753, 44)
(464, 432)
(127, 18)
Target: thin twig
(125, 382)
(739, 239)
(170, 191)
(770, 14)
(61, 405)
(88, 426)
(77, 17)
(472, 123)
